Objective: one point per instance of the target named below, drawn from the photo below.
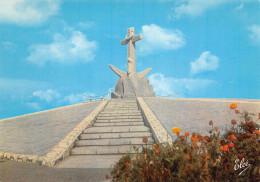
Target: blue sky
(52, 52)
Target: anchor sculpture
(131, 84)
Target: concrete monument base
(132, 87)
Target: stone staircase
(116, 130)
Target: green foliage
(197, 157)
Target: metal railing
(97, 97)
(101, 96)
(175, 94)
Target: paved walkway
(38, 133)
(193, 115)
(11, 171)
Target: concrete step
(116, 129)
(108, 142)
(119, 117)
(118, 124)
(121, 107)
(119, 114)
(123, 104)
(93, 150)
(97, 162)
(118, 120)
(114, 135)
(123, 101)
(135, 112)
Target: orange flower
(231, 137)
(233, 121)
(145, 140)
(156, 145)
(200, 138)
(133, 162)
(137, 158)
(176, 130)
(107, 176)
(188, 157)
(224, 148)
(244, 123)
(231, 145)
(236, 111)
(186, 133)
(127, 164)
(210, 122)
(257, 132)
(157, 151)
(233, 106)
(194, 139)
(216, 128)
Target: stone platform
(193, 115)
(38, 133)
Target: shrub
(233, 156)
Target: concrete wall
(38, 133)
(193, 115)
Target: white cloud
(76, 98)
(33, 105)
(27, 12)
(65, 49)
(157, 38)
(196, 7)
(255, 34)
(47, 95)
(184, 87)
(206, 62)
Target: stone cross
(130, 40)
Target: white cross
(130, 40)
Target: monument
(131, 84)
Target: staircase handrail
(97, 96)
(174, 94)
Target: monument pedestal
(132, 87)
